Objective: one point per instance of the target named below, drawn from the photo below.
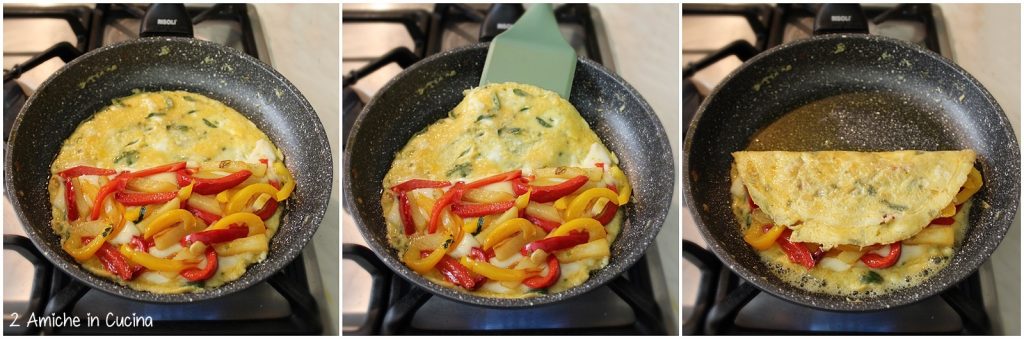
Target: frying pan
(849, 92)
(88, 83)
(426, 91)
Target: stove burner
(499, 18)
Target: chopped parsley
(519, 92)
(188, 98)
(871, 277)
(524, 108)
(462, 170)
(155, 114)
(897, 207)
(191, 112)
(510, 130)
(448, 243)
(479, 225)
(182, 128)
(495, 102)
(543, 123)
(484, 117)
(209, 123)
(169, 102)
(129, 157)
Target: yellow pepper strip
(471, 227)
(762, 240)
(422, 265)
(288, 185)
(949, 211)
(456, 224)
(624, 189)
(82, 253)
(240, 200)
(562, 203)
(225, 196)
(254, 222)
(121, 220)
(493, 272)
(593, 227)
(186, 191)
(971, 186)
(579, 204)
(132, 213)
(153, 263)
(507, 229)
(523, 200)
(169, 219)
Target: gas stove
(378, 42)
(717, 39)
(38, 41)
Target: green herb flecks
(524, 108)
(543, 123)
(871, 277)
(188, 98)
(117, 102)
(479, 225)
(519, 92)
(107, 231)
(509, 130)
(169, 103)
(175, 127)
(129, 157)
(484, 117)
(142, 213)
(462, 170)
(893, 206)
(495, 102)
(191, 112)
(131, 143)
(155, 114)
(209, 123)
(448, 243)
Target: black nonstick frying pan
(426, 91)
(849, 92)
(89, 83)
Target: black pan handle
(840, 18)
(166, 20)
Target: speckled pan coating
(850, 92)
(425, 92)
(87, 84)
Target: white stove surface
(996, 54)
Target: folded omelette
(868, 221)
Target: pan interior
(90, 82)
(850, 92)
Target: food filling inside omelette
(512, 195)
(856, 224)
(168, 192)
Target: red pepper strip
(217, 185)
(798, 254)
(115, 262)
(417, 184)
(267, 211)
(116, 184)
(477, 254)
(139, 199)
(553, 244)
(495, 178)
(610, 209)
(69, 200)
(457, 274)
(200, 274)
(141, 245)
(943, 221)
(520, 186)
(406, 211)
(184, 177)
(750, 201)
(78, 171)
(874, 260)
(217, 236)
(547, 225)
(540, 282)
(210, 218)
(551, 193)
(599, 165)
(479, 210)
(159, 169)
(453, 194)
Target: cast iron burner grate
(722, 296)
(399, 307)
(284, 304)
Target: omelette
(511, 195)
(168, 192)
(854, 223)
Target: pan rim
(629, 258)
(107, 286)
(868, 304)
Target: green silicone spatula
(532, 52)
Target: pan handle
(840, 18)
(166, 20)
